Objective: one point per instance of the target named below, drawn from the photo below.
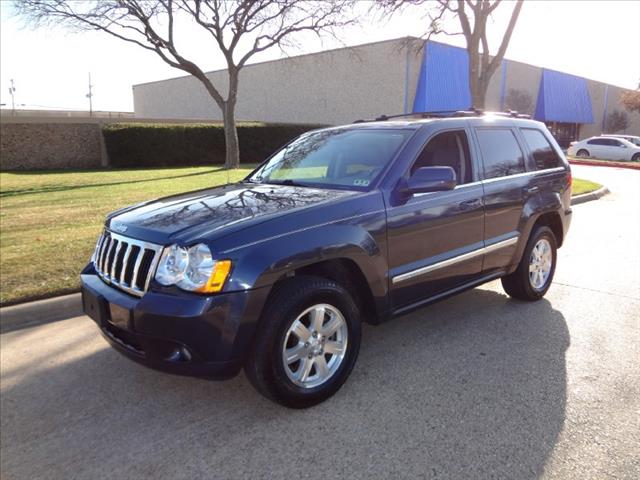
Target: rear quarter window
(543, 153)
(501, 153)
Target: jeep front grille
(126, 263)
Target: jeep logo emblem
(119, 227)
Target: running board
(444, 295)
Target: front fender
(361, 240)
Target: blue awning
(444, 79)
(563, 98)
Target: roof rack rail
(432, 114)
(472, 112)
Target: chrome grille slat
(101, 251)
(115, 260)
(134, 278)
(152, 268)
(110, 248)
(96, 252)
(125, 259)
(105, 256)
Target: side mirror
(432, 179)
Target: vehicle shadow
(473, 387)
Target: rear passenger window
(543, 153)
(501, 153)
(447, 149)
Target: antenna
(89, 96)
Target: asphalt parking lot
(478, 386)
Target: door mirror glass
(432, 179)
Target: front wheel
(636, 157)
(307, 342)
(583, 153)
(534, 274)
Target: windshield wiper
(288, 182)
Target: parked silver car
(631, 138)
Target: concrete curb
(605, 163)
(29, 314)
(68, 306)
(587, 197)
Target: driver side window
(447, 149)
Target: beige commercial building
(395, 76)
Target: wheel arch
(345, 272)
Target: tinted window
(615, 143)
(543, 153)
(447, 149)
(501, 153)
(347, 158)
(598, 141)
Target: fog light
(179, 354)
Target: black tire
(518, 284)
(636, 157)
(583, 153)
(265, 367)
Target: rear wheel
(307, 343)
(534, 274)
(583, 153)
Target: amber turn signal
(218, 277)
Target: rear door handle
(470, 204)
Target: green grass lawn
(583, 186)
(49, 221)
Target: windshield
(633, 140)
(340, 158)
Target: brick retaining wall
(50, 145)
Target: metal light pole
(12, 90)
(90, 96)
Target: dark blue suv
(343, 225)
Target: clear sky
(595, 39)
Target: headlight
(192, 269)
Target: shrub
(163, 145)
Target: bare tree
(518, 100)
(239, 29)
(631, 100)
(473, 17)
(616, 121)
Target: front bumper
(181, 333)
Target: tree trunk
(478, 94)
(232, 156)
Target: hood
(215, 212)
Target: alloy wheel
(315, 345)
(540, 264)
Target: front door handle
(531, 190)
(470, 204)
